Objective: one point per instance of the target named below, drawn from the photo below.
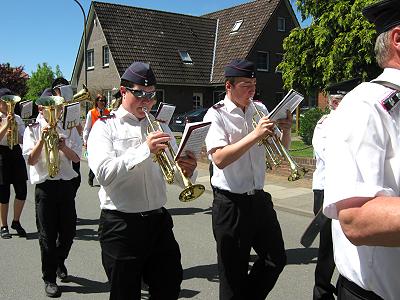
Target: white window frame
(236, 26)
(106, 54)
(185, 57)
(90, 59)
(268, 61)
(197, 102)
(281, 26)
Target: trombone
(275, 151)
(168, 166)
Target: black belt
(152, 212)
(249, 193)
(359, 291)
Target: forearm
(3, 131)
(70, 154)
(376, 223)
(223, 157)
(286, 138)
(35, 153)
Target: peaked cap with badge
(384, 14)
(140, 73)
(240, 68)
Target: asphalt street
(20, 258)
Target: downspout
(214, 51)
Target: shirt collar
(230, 106)
(390, 75)
(122, 113)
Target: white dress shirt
(319, 145)
(229, 124)
(363, 160)
(20, 124)
(38, 173)
(88, 125)
(123, 165)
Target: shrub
(308, 122)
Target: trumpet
(52, 110)
(275, 151)
(168, 166)
(12, 135)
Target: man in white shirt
(243, 216)
(135, 230)
(54, 197)
(363, 172)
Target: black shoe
(16, 225)
(5, 234)
(52, 290)
(62, 272)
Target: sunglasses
(142, 94)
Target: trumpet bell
(191, 192)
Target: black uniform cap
(58, 82)
(343, 87)
(46, 93)
(140, 73)
(384, 14)
(5, 91)
(240, 68)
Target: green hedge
(307, 123)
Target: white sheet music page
(165, 112)
(26, 109)
(193, 138)
(289, 102)
(72, 115)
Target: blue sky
(38, 31)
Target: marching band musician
(93, 115)
(243, 216)
(12, 171)
(54, 199)
(135, 230)
(362, 172)
(323, 289)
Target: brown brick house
(187, 53)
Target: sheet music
(193, 139)
(165, 112)
(72, 115)
(289, 102)
(26, 109)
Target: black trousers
(348, 290)
(91, 176)
(76, 182)
(56, 223)
(323, 289)
(135, 247)
(241, 222)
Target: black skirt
(12, 165)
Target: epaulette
(33, 124)
(391, 101)
(323, 118)
(106, 117)
(218, 105)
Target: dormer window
(236, 27)
(186, 59)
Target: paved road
(20, 258)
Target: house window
(160, 96)
(236, 26)
(281, 24)
(186, 59)
(90, 59)
(106, 56)
(263, 61)
(197, 100)
(218, 96)
(279, 58)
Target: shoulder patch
(218, 105)
(323, 118)
(106, 117)
(391, 102)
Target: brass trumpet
(275, 151)
(52, 110)
(168, 166)
(12, 135)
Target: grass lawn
(299, 149)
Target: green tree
(338, 45)
(40, 79)
(13, 78)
